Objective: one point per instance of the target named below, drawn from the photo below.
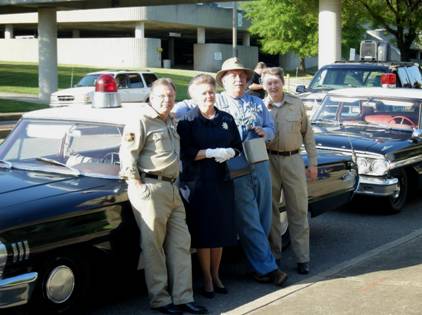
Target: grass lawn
(23, 78)
(9, 106)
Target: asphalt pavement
(385, 280)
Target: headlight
(368, 166)
(3, 258)
(87, 99)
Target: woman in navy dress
(208, 137)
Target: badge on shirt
(130, 137)
(225, 126)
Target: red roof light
(388, 80)
(106, 83)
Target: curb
(282, 293)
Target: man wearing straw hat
(253, 191)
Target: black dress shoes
(192, 308)
(303, 268)
(168, 309)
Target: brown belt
(284, 153)
(159, 177)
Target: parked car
(64, 211)
(134, 86)
(357, 74)
(381, 127)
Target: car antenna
(354, 158)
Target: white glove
(228, 153)
(214, 153)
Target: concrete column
(246, 39)
(8, 31)
(329, 32)
(200, 35)
(171, 50)
(47, 51)
(140, 30)
(76, 33)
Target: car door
(136, 88)
(122, 81)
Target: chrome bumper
(377, 186)
(17, 290)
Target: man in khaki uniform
(149, 157)
(287, 168)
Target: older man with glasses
(149, 157)
(253, 191)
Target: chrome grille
(66, 98)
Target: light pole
(234, 37)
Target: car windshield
(330, 79)
(89, 149)
(88, 80)
(387, 112)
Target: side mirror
(300, 89)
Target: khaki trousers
(288, 175)
(165, 241)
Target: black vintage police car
(63, 208)
(381, 127)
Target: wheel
(395, 203)
(64, 281)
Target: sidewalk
(386, 280)
(30, 98)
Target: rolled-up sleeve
(132, 142)
(308, 137)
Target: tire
(63, 284)
(395, 203)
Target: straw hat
(232, 64)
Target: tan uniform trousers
(288, 174)
(165, 241)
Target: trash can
(167, 63)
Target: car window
(65, 142)
(149, 78)
(397, 113)
(88, 80)
(122, 81)
(404, 79)
(135, 81)
(341, 77)
(415, 76)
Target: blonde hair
(275, 71)
(201, 79)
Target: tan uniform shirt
(292, 127)
(149, 145)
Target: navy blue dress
(206, 188)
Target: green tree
(401, 18)
(284, 26)
(292, 26)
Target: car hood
(361, 138)
(83, 90)
(30, 196)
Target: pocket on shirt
(293, 120)
(161, 142)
